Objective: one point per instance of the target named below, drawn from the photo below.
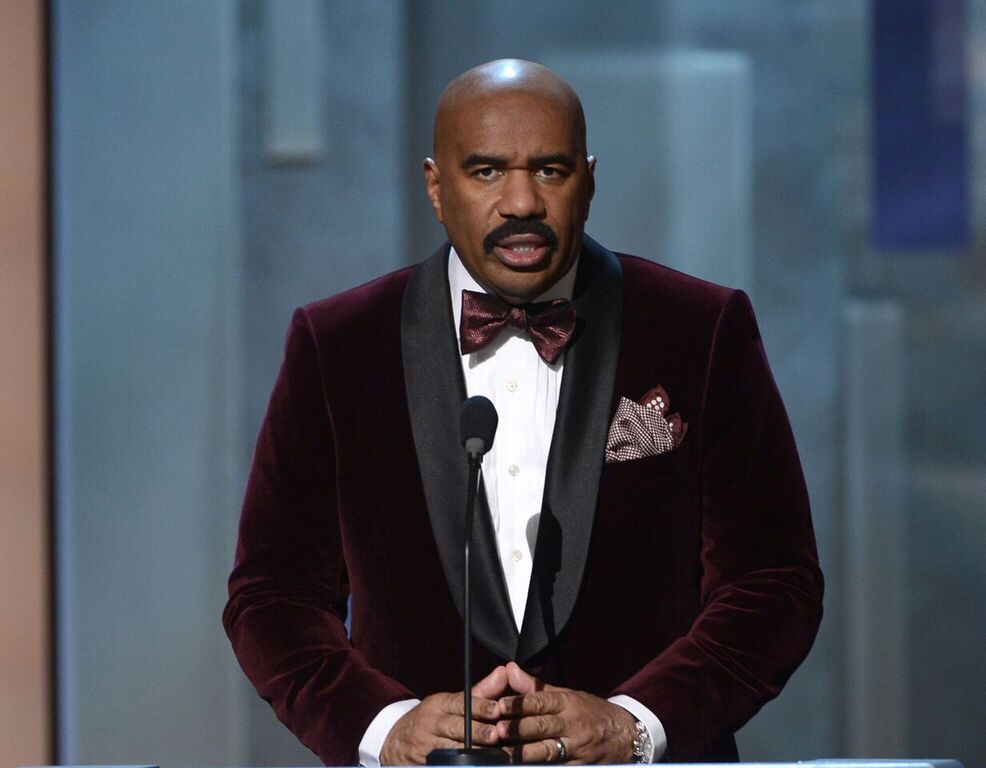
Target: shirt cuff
(658, 739)
(379, 728)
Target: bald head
(483, 85)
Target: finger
(520, 681)
(452, 727)
(485, 734)
(538, 703)
(494, 685)
(534, 728)
(535, 752)
(482, 709)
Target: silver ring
(562, 752)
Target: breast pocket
(649, 501)
(646, 471)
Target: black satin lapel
(435, 392)
(578, 447)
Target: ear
(590, 164)
(433, 185)
(590, 184)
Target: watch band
(643, 747)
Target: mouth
(525, 251)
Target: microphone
(477, 427)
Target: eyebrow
(496, 161)
(559, 158)
(538, 161)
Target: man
(645, 573)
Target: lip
(521, 251)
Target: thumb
(521, 682)
(493, 686)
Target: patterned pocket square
(644, 428)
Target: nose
(520, 198)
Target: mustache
(520, 227)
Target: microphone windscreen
(478, 419)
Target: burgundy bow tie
(550, 324)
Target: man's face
(512, 185)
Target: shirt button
(517, 555)
(513, 469)
(511, 385)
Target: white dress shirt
(524, 388)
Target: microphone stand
(468, 755)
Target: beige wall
(25, 710)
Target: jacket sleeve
(761, 586)
(288, 589)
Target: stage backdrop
(218, 163)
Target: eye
(551, 173)
(486, 173)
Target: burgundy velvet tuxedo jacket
(688, 580)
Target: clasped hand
(520, 714)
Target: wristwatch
(643, 747)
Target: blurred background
(177, 175)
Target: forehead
(513, 123)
